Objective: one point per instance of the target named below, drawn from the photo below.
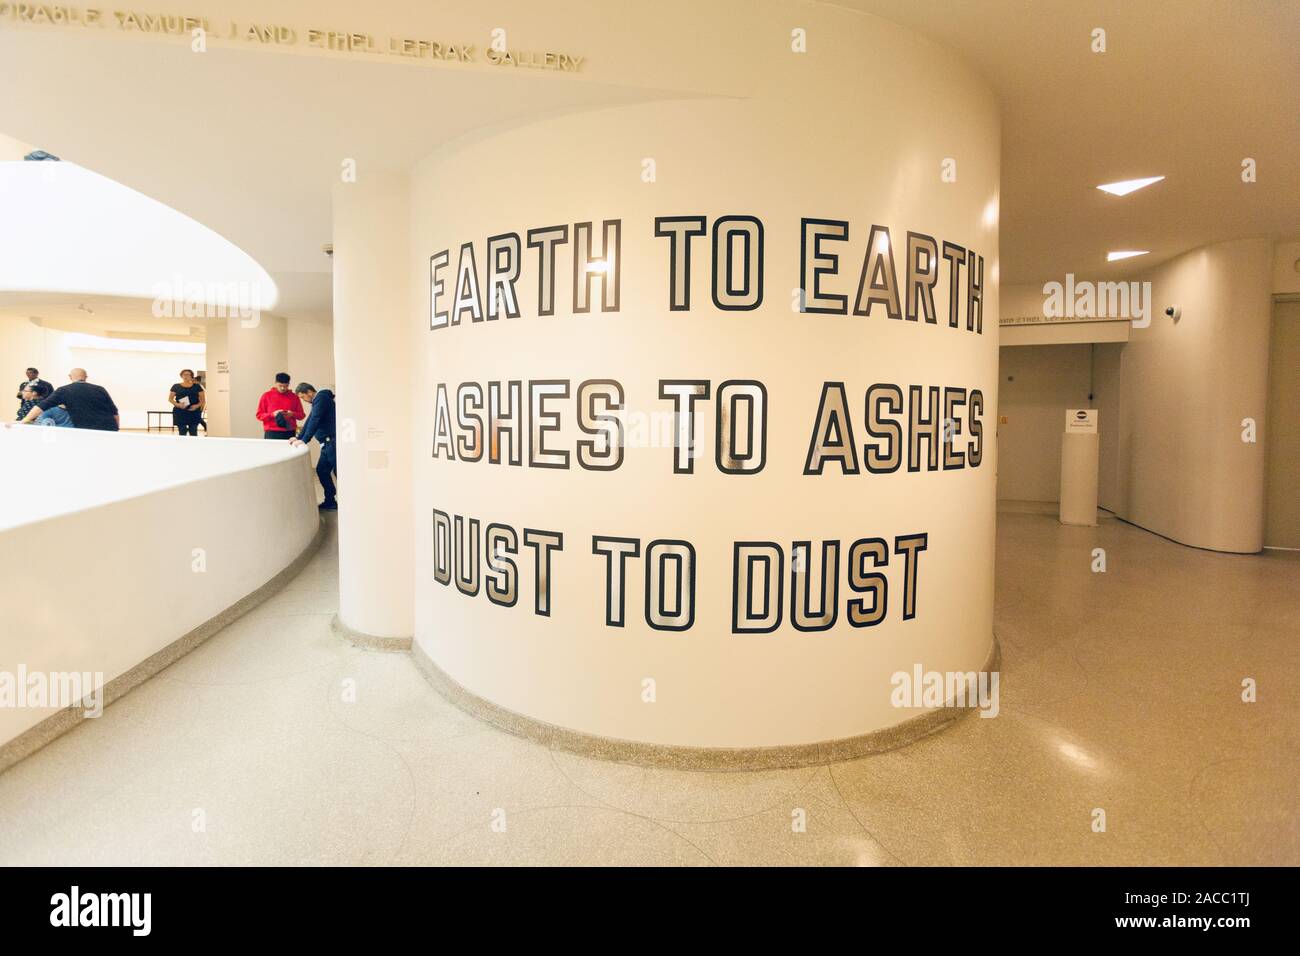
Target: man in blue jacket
(320, 425)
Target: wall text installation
(867, 429)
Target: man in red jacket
(279, 410)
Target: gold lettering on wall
(284, 35)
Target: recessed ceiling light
(1125, 254)
(1126, 186)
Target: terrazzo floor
(1120, 691)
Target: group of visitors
(280, 410)
(81, 404)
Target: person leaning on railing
(320, 425)
(28, 396)
(90, 406)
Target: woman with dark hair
(187, 401)
(28, 396)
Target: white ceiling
(98, 315)
(1185, 89)
(251, 142)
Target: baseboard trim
(693, 758)
(368, 641)
(58, 724)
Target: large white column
(217, 360)
(371, 237)
(258, 349)
(792, 188)
(1194, 400)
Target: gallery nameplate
(198, 30)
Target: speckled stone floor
(1120, 692)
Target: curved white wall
(374, 463)
(1186, 388)
(858, 132)
(101, 537)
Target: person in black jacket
(89, 405)
(320, 425)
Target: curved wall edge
(673, 757)
(752, 261)
(158, 537)
(370, 642)
(1193, 401)
(58, 724)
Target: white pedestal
(1079, 451)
